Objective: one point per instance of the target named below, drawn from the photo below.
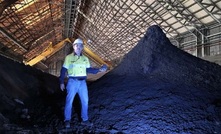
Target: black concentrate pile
(156, 89)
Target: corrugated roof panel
(207, 20)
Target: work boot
(67, 124)
(86, 123)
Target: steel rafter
(206, 6)
(158, 19)
(178, 15)
(12, 39)
(114, 27)
(5, 4)
(69, 17)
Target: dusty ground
(157, 89)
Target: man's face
(78, 48)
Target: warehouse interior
(163, 61)
(40, 32)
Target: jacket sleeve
(92, 70)
(62, 75)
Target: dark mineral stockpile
(27, 97)
(156, 89)
(159, 89)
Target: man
(77, 66)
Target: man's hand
(103, 68)
(62, 87)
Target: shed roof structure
(110, 29)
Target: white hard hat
(78, 41)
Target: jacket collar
(76, 54)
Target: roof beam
(94, 57)
(5, 4)
(207, 11)
(70, 17)
(47, 53)
(12, 39)
(180, 14)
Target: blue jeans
(76, 86)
